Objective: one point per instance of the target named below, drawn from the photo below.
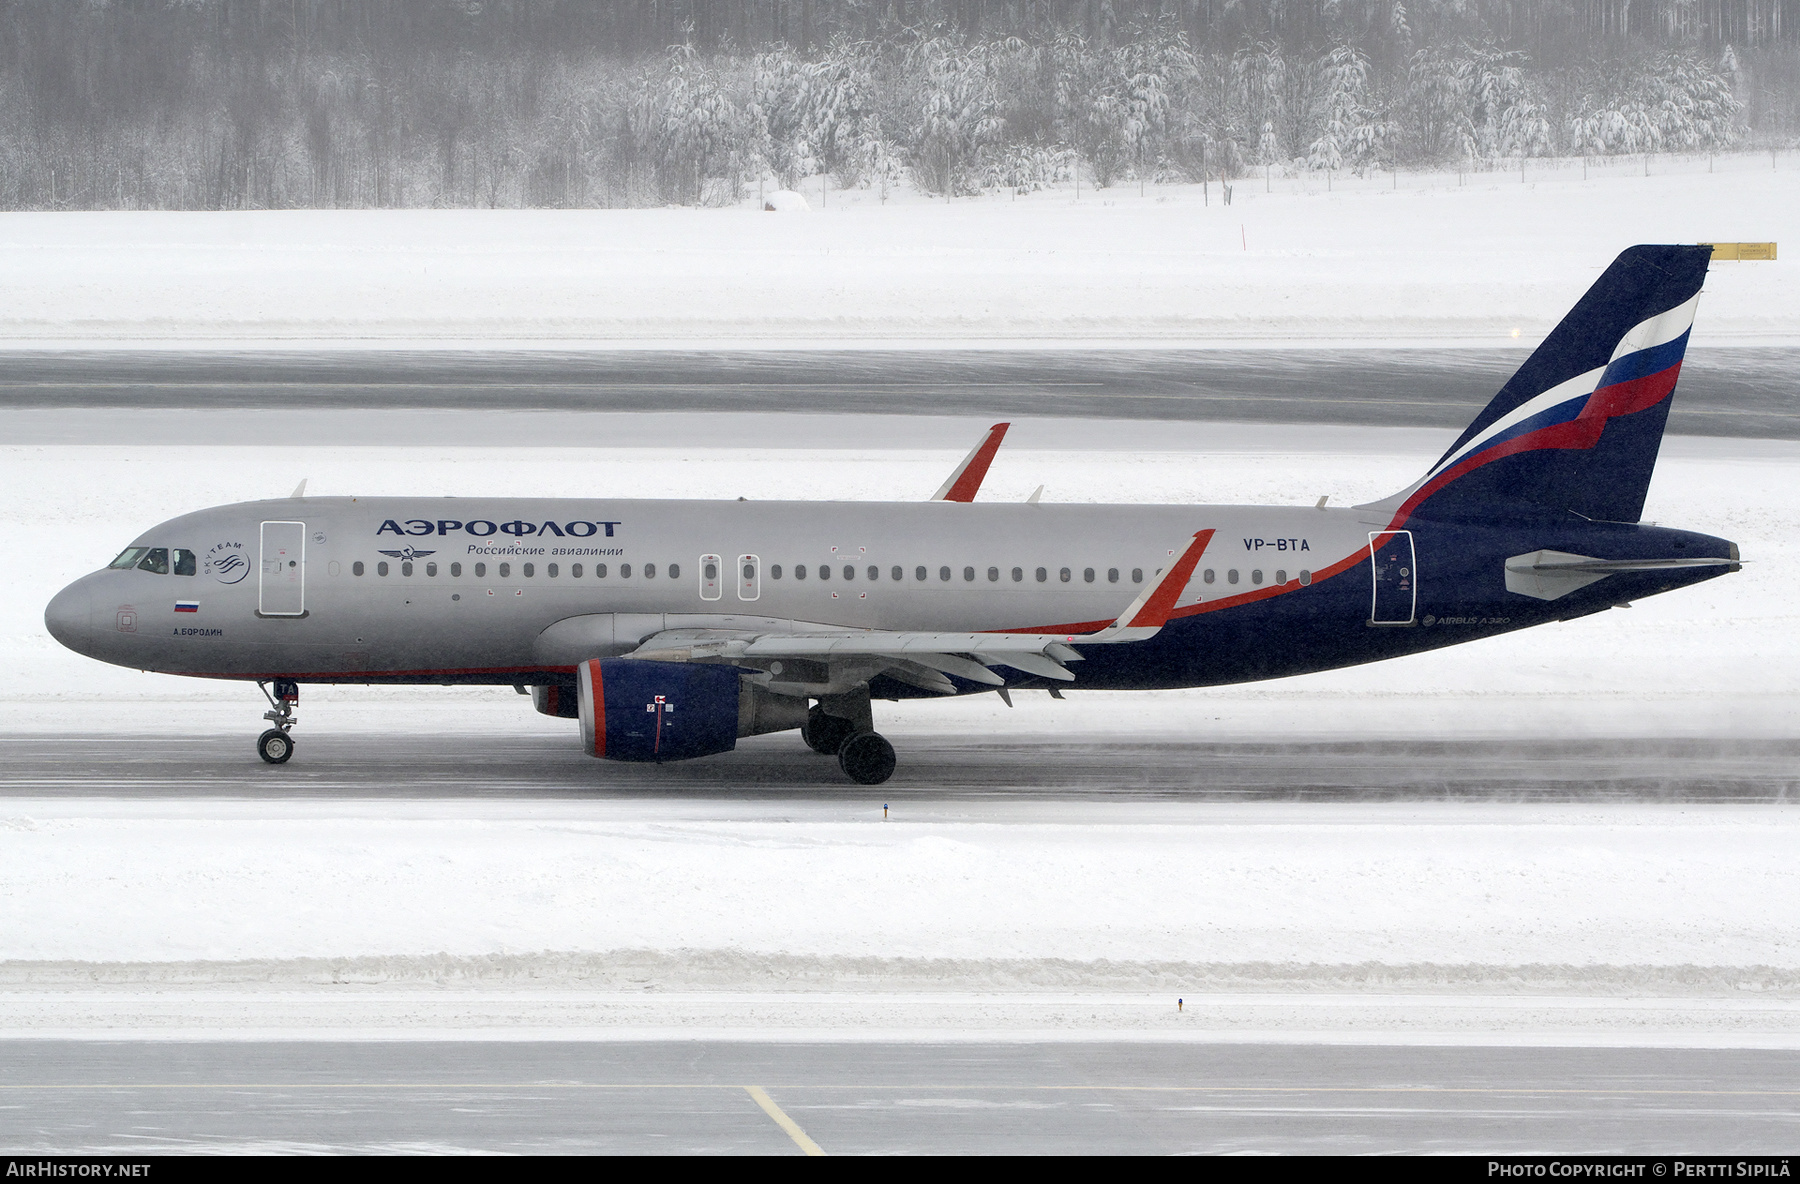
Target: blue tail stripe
(1645, 362)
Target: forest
(262, 104)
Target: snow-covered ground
(1482, 259)
(1675, 923)
(1719, 659)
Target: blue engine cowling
(656, 711)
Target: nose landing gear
(275, 745)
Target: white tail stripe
(1660, 329)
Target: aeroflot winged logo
(482, 528)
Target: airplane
(671, 629)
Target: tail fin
(1579, 426)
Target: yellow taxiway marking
(782, 1120)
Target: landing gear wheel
(867, 758)
(275, 746)
(825, 734)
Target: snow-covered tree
(1352, 134)
(1675, 103)
(958, 116)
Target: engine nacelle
(562, 702)
(656, 711)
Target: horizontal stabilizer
(1548, 575)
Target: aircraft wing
(919, 658)
(962, 484)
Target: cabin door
(282, 588)
(1396, 574)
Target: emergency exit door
(281, 591)
(1396, 575)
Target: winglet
(966, 480)
(300, 489)
(1151, 610)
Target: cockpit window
(128, 558)
(184, 562)
(157, 560)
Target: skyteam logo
(483, 528)
(227, 563)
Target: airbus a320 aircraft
(670, 629)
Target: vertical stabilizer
(1579, 426)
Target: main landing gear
(863, 754)
(275, 745)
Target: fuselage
(463, 590)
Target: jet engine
(633, 710)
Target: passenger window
(874, 572)
(1256, 575)
(1018, 574)
(1087, 574)
(356, 569)
(184, 563)
(1112, 575)
(599, 571)
(530, 569)
(1305, 577)
(1231, 576)
(505, 570)
(944, 574)
(1280, 576)
(128, 558)
(918, 573)
(849, 572)
(968, 574)
(624, 571)
(381, 568)
(711, 571)
(1064, 575)
(574, 571)
(550, 571)
(799, 571)
(1207, 576)
(1042, 575)
(481, 571)
(406, 568)
(898, 574)
(993, 575)
(775, 572)
(1137, 575)
(157, 560)
(674, 571)
(455, 569)
(431, 569)
(824, 572)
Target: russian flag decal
(187, 606)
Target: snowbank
(1626, 924)
(1479, 259)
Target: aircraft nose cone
(68, 615)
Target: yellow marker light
(1743, 252)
